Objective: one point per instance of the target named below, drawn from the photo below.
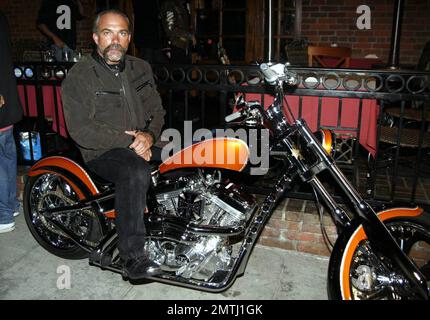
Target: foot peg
(103, 254)
(102, 259)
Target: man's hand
(147, 155)
(141, 144)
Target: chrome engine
(199, 202)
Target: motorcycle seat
(98, 181)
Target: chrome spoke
(51, 191)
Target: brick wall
(22, 15)
(324, 22)
(295, 225)
(334, 21)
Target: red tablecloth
(30, 108)
(354, 63)
(330, 114)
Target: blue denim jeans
(8, 200)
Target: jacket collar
(114, 68)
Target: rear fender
(78, 179)
(70, 170)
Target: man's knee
(143, 172)
(138, 171)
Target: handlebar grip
(270, 75)
(233, 116)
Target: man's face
(112, 37)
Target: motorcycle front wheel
(357, 272)
(51, 190)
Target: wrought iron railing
(368, 109)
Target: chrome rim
(372, 275)
(52, 191)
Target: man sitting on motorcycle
(114, 114)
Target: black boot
(141, 267)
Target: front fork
(377, 233)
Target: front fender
(345, 246)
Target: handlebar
(270, 75)
(233, 116)
(274, 74)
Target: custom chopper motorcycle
(202, 227)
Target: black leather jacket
(101, 103)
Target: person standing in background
(10, 113)
(148, 36)
(175, 19)
(56, 19)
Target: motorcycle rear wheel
(356, 272)
(52, 190)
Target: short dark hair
(113, 11)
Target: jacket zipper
(125, 97)
(102, 93)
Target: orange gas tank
(223, 153)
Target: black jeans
(131, 176)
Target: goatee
(115, 58)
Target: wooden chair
(342, 54)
